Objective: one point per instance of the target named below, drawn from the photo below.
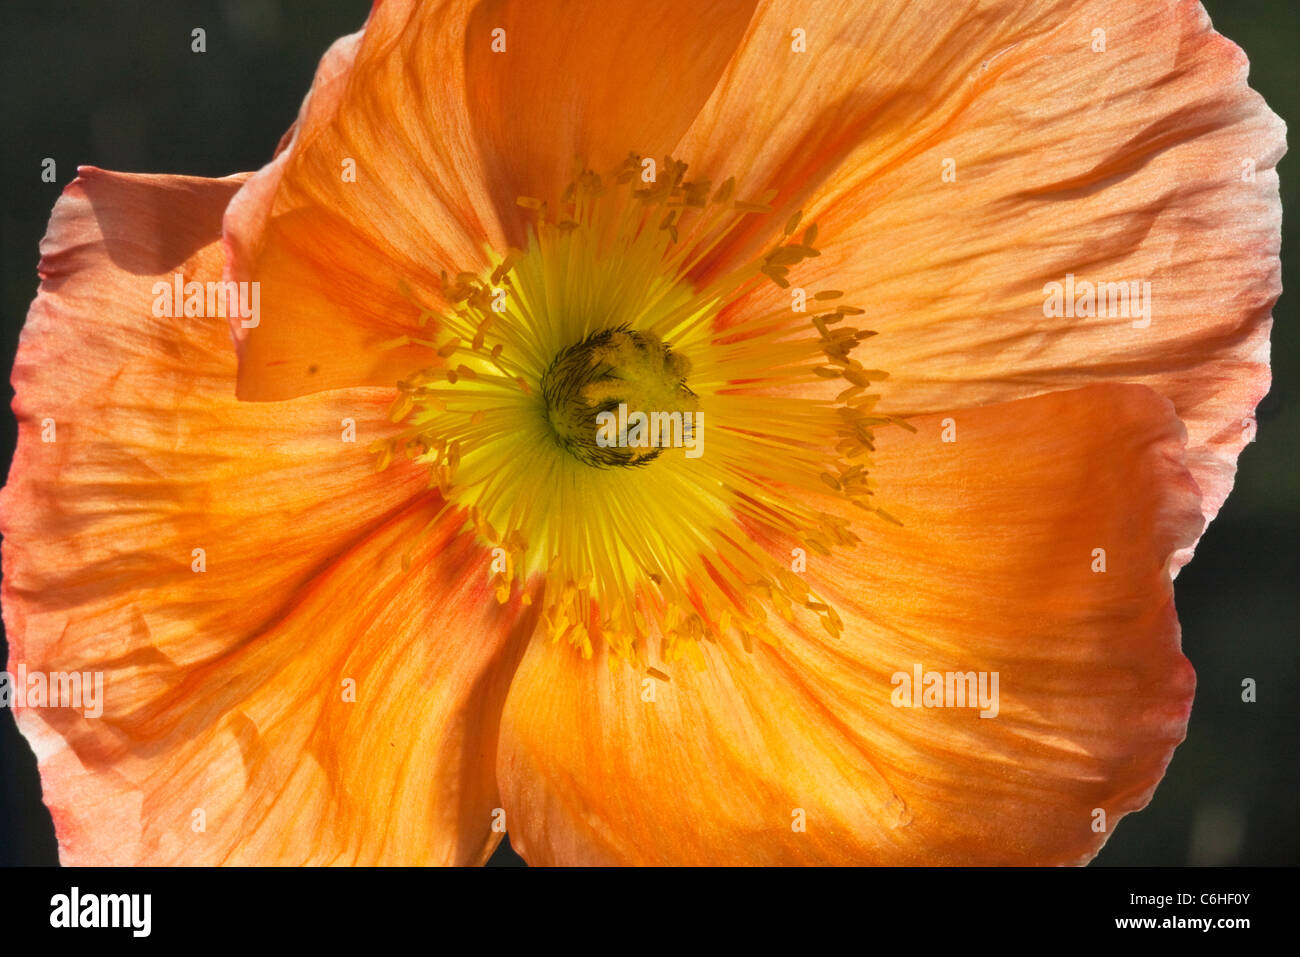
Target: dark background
(113, 83)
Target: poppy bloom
(947, 330)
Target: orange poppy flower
(963, 318)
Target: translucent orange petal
(223, 679)
(1150, 161)
(812, 83)
(991, 571)
(590, 83)
(332, 254)
(446, 134)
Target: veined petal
(796, 752)
(590, 82)
(814, 82)
(1121, 146)
(226, 566)
(359, 728)
(380, 185)
(447, 123)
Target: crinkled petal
(797, 753)
(228, 568)
(964, 161)
(409, 155)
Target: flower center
(591, 385)
(554, 378)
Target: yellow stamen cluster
(678, 549)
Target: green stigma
(587, 383)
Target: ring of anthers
(654, 474)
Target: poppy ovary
(591, 379)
